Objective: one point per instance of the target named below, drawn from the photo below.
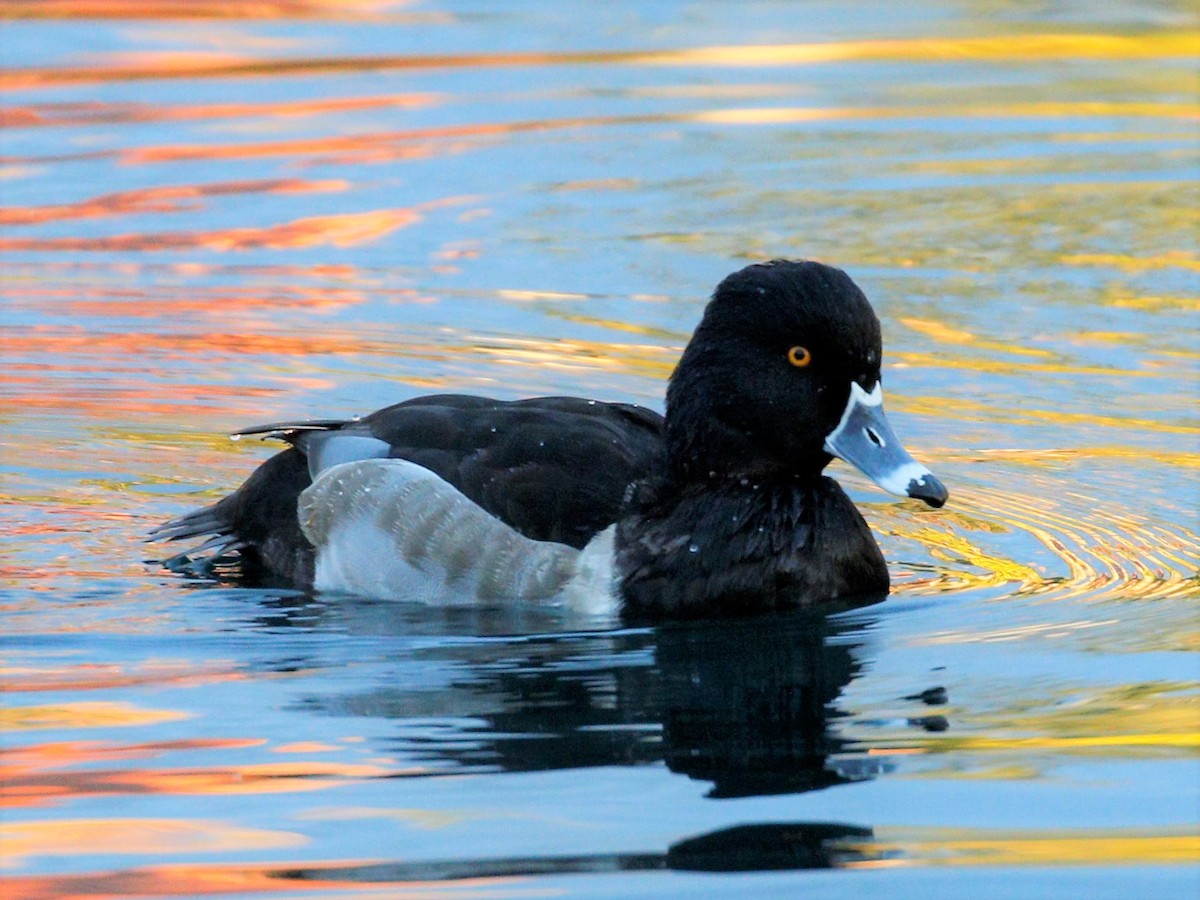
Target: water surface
(247, 214)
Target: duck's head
(781, 375)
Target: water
(312, 209)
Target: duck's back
(553, 468)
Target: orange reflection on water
(36, 788)
(201, 9)
(386, 146)
(159, 199)
(242, 303)
(379, 146)
(142, 836)
(188, 346)
(96, 677)
(151, 398)
(341, 230)
(308, 747)
(59, 754)
(1006, 48)
(123, 271)
(284, 879)
(565, 355)
(96, 113)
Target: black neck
(685, 548)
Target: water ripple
(1055, 545)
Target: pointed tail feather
(290, 431)
(255, 526)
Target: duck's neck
(744, 542)
(708, 449)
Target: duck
(718, 507)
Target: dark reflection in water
(745, 705)
(745, 848)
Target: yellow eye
(799, 357)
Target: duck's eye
(799, 357)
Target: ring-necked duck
(718, 508)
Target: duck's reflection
(745, 705)
(745, 848)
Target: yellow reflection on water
(947, 334)
(571, 355)
(1155, 719)
(1062, 109)
(1003, 48)
(1106, 552)
(1184, 304)
(83, 714)
(1018, 47)
(420, 818)
(893, 846)
(1178, 259)
(971, 410)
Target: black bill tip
(929, 489)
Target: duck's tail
(255, 527)
(222, 545)
(291, 432)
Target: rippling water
(252, 212)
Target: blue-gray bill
(864, 439)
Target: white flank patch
(391, 529)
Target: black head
(767, 374)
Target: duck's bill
(864, 439)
